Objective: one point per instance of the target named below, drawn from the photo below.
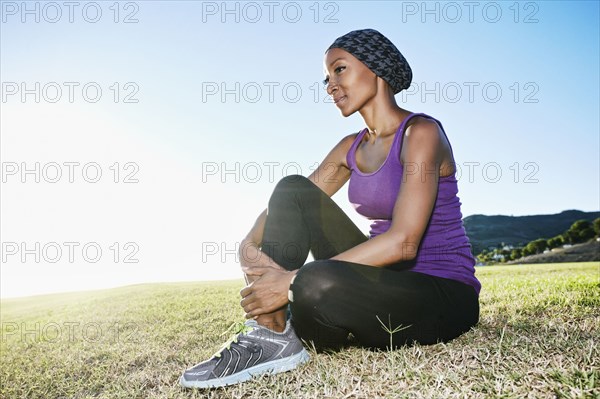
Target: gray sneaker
(253, 350)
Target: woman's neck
(381, 113)
(383, 121)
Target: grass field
(538, 337)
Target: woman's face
(349, 82)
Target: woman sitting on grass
(411, 280)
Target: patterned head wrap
(379, 54)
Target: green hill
(488, 231)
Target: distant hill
(489, 231)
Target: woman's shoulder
(351, 138)
(346, 142)
(343, 147)
(427, 131)
(420, 125)
(423, 121)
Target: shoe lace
(239, 328)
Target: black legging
(332, 298)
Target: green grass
(538, 336)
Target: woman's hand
(266, 294)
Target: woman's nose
(331, 87)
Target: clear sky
(158, 129)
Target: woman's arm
(250, 253)
(256, 232)
(421, 156)
(334, 172)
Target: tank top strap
(397, 145)
(350, 158)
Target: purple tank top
(445, 250)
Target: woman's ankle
(275, 321)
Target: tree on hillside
(580, 224)
(580, 231)
(516, 253)
(537, 246)
(555, 242)
(596, 224)
(569, 237)
(586, 234)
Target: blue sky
(205, 164)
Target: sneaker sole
(272, 367)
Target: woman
(411, 280)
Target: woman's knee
(314, 282)
(291, 184)
(285, 190)
(311, 308)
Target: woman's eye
(336, 70)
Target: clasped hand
(266, 294)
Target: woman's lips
(337, 101)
